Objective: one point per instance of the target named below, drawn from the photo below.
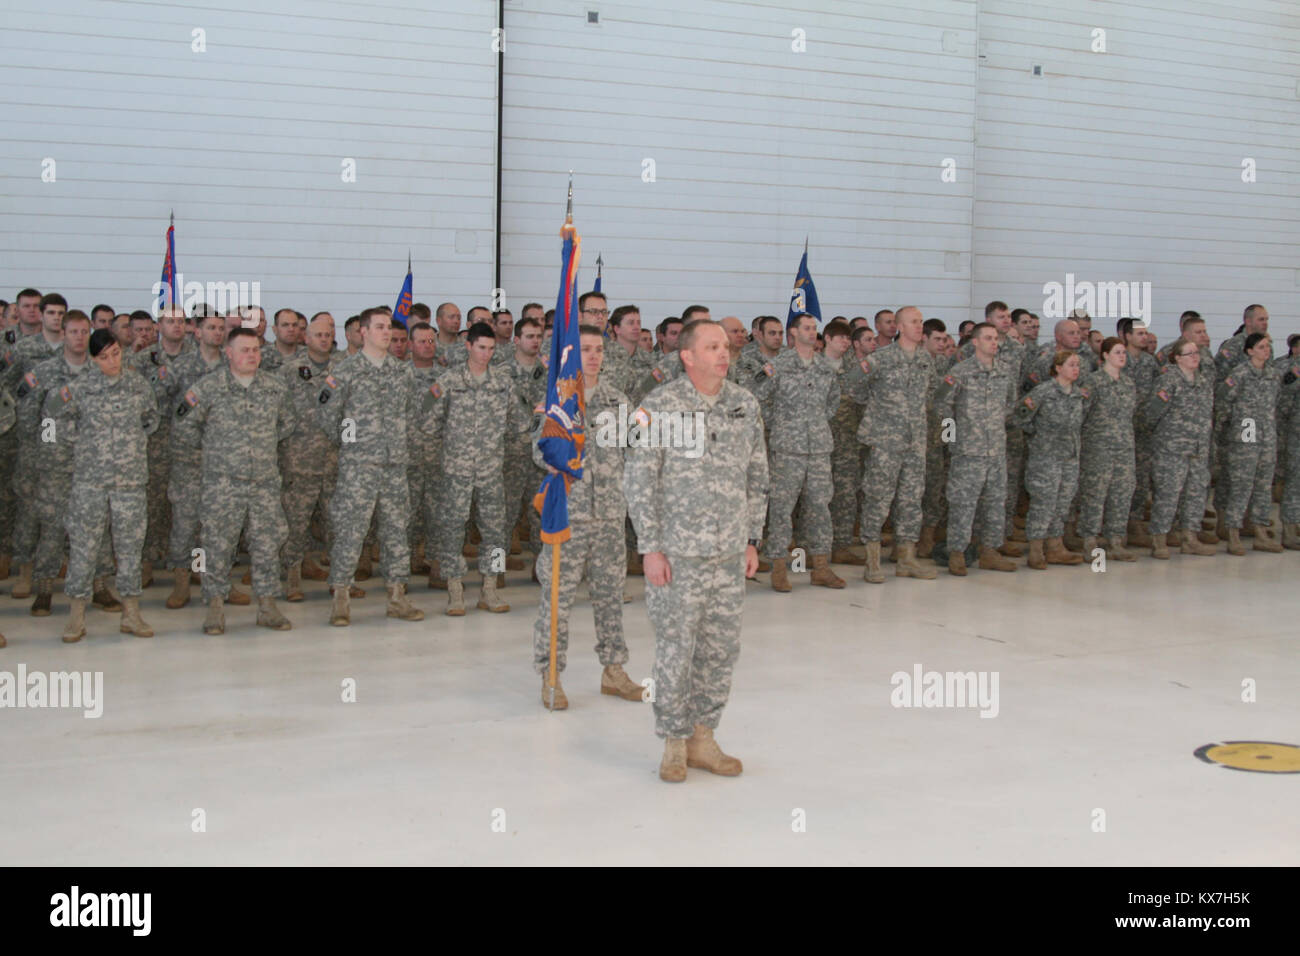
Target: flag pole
(566, 232)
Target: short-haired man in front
(101, 317)
(238, 415)
(503, 326)
(352, 334)
(522, 476)
(895, 385)
(886, 327)
(595, 549)
(979, 395)
(698, 555)
(366, 406)
(29, 315)
(626, 362)
(799, 394)
(1143, 370)
(142, 331)
(287, 345)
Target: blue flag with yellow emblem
(804, 297)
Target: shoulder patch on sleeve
(865, 366)
(304, 373)
(657, 374)
(1230, 382)
(1083, 390)
(641, 417)
(65, 394)
(950, 379)
(1029, 401)
(435, 390)
(768, 370)
(1163, 395)
(1224, 351)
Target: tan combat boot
(293, 584)
(1160, 547)
(268, 615)
(103, 598)
(1036, 559)
(1119, 552)
(1235, 547)
(957, 563)
(1072, 540)
(847, 556)
(1266, 540)
(355, 592)
(399, 606)
(1089, 545)
(673, 766)
(215, 621)
(1207, 536)
(455, 597)
(132, 622)
(489, 600)
(76, 626)
(780, 580)
(871, 572)
(615, 682)
(1057, 553)
(44, 598)
(238, 598)
(23, 585)
(822, 575)
(1018, 536)
(925, 544)
(910, 567)
(764, 566)
(313, 571)
(436, 581)
(1192, 545)
(1291, 536)
(1138, 535)
(180, 595)
(703, 751)
(146, 573)
(561, 701)
(1011, 549)
(341, 608)
(991, 560)
(418, 563)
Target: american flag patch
(865, 365)
(658, 374)
(30, 379)
(641, 417)
(331, 381)
(162, 372)
(1229, 381)
(65, 394)
(1164, 396)
(950, 379)
(1084, 392)
(1029, 402)
(435, 390)
(768, 370)
(190, 398)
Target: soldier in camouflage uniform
(1289, 400)
(1107, 457)
(28, 309)
(8, 416)
(366, 406)
(896, 386)
(309, 460)
(472, 408)
(237, 416)
(697, 554)
(626, 363)
(111, 411)
(1245, 407)
(18, 359)
(595, 550)
(799, 396)
(1180, 410)
(422, 454)
(934, 505)
(521, 473)
(54, 461)
(846, 452)
(157, 364)
(978, 394)
(1052, 416)
(1142, 369)
(1231, 354)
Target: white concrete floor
(1108, 683)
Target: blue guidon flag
(402, 311)
(169, 264)
(804, 296)
(566, 410)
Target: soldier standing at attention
(1245, 405)
(112, 411)
(28, 309)
(522, 476)
(366, 407)
(473, 407)
(895, 386)
(237, 415)
(979, 395)
(1142, 369)
(1052, 416)
(422, 462)
(934, 506)
(700, 542)
(8, 415)
(17, 361)
(799, 394)
(596, 549)
(286, 345)
(627, 363)
(1180, 411)
(1107, 457)
(846, 454)
(309, 461)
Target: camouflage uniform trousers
(52, 524)
(455, 498)
(696, 617)
(522, 479)
(976, 491)
(91, 511)
(360, 492)
(804, 480)
(1248, 473)
(158, 533)
(229, 503)
(1016, 477)
(1106, 484)
(595, 551)
(303, 494)
(1181, 484)
(1291, 490)
(8, 500)
(846, 483)
(894, 479)
(183, 484)
(24, 486)
(1051, 483)
(934, 506)
(420, 479)
(1142, 473)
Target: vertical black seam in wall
(501, 75)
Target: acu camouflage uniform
(1013, 356)
(1245, 407)
(1180, 411)
(846, 457)
(1289, 400)
(1108, 458)
(17, 360)
(522, 475)
(1142, 371)
(1053, 419)
(158, 368)
(185, 473)
(309, 458)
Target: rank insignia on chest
(435, 390)
(1163, 395)
(657, 374)
(304, 373)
